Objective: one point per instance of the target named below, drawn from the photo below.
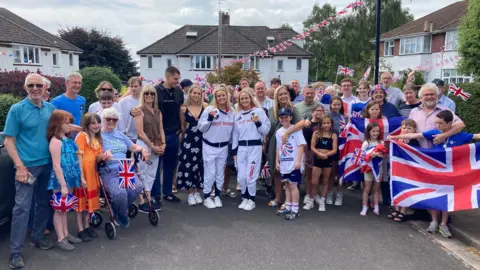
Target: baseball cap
(284, 111)
(186, 83)
(439, 82)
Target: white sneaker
(197, 197)
(243, 204)
(218, 202)
(321, 205)
(318, 199)
(364, 211)
(191, 200)
(209, 203)
(249, 206)
(339, 199)
(306, 199)
(308, 205)
(329, 198)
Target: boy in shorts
(289, 162)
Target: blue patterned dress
(69, 164)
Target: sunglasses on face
(114, 120)
(34, 85)
(150, 94)
(107, 89)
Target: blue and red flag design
(373, 164)
(445, 179)
(341, 70)
(63, 203)
(126, 174)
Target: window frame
(389, 48)
(169, 62)
(415, 45)
(280, 67)
(149, 61)
(203, 62)
(450, 75)
(55, 59)
(20, 51)
(298, 67)
(451, 41)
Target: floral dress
(69, 164)
(190, 168)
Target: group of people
(59, 150)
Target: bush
(232, 74)
(469, 111)
(6, 101)
(92, 76)
(11, 82)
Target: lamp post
(377, 41)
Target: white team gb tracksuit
(217, 132)
(247, 144)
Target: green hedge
(6, 101)
(92, 76)
(469, 111)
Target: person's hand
(285, 138)
(411, 76)
(136, 112)
(64, 190)
(84, 183)
(298, 165)
(255, 118)
(22, 174)
(107, 155)
(307, 123)
(438, 139)
(264, 148)
(145, 154)
(162, 148)
(277, 166)
(234, 158)
(390, 137)
(212, 113)
(323, 156)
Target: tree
(348, 41)
(92, 76)
(101, 49)
(285, 26)
(232, 74)
(469, 40)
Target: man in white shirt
(394, 95)
(128, 103)
(346, 86)
(261, 97)
(443, 100)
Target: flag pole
(336, 77)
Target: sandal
(399, 218)
(272, 203)
(393, 214)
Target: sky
(142, 22)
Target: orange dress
(88, 199)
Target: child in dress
(66, 173)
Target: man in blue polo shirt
(71, 101)
(26, 143)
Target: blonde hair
(189, 100)
(253, 101)
(99, 87)
(275, 100)
(221, 88)
(148, 88)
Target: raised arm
(263, 123)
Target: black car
(7, 186)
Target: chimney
(428, 26)
(225, 18)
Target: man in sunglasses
(27, 145)
(71, 101)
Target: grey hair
(47, 82)
(110, 113)
(31, 75)
(73, 74)
(428, 86)
(308, 87)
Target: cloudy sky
(142, 22)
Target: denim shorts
(294, 177)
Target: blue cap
(284, 111)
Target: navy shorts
(294, 177)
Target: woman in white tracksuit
(216, 123)
(251, 125)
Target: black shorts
(294, 177)
(323, 163)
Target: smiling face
(196, 95)
(347, 89)
(386, 79)
(374, 133)
(135, 88)
(74, 85)
(94, 127)
(245, 101)
(336, 106)
(243, 84)
(407, 129)
(295, 85)
(110, 123)
(318, 112)
(379, 96)
(221, 97)
(362, 90)
(106, 103)
(374, 111)
(149, 97)
(283, 96)
(429, 98)
(327, 124)
(309, 94)
(285, 120)
(260, 89)
(34, 85)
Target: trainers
(191, 200)
(171, 198)
(208, 202)
(282, 212)
(317, 199)
(65, 245)
(124, 222)
(443, 229)
(306, 199)
(198, 198)
(292, 216)
(144, 208)
(91, 232)
(42, 243)
(329, 198)
(364, 211)
(321, 205)
(309, 205)
(249, 206)
(155, 206)
(83, 236)
(339, 199)
(433, 227)
(16, 261)
(243, 204)
(218, 202)
(238, 187)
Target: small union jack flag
(63, 204)
(345, 71)
(265, 173)
(459, 92)
(126, 174)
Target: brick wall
(438, 41)
(382, 49)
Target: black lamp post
(377, 41)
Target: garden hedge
(6, 101)
(92, 76)
(469, 111)
(11, 82)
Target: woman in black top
(410, 92)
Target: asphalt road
(227, 238)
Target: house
(25, 46)
(429, 42)
(193, 49)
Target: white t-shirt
(288, 152)
(127, 104)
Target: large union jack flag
(350, 144)
(126, 174)
(63, 203)
(445, 179)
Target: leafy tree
(285, 26)
(92, 76)
(101, 49)
(232, 74)
(6, 101)
(469, 40)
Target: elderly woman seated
(117, 144)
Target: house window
(451, 76)
(169, 62)
(254, 61)
(70, 59)
(55, 59)
(451, 41)
(299, 63)
(203, 62)
(150, 61)
(26, 55)
(389, 48)
(414, 45)
(279, 65)
(270, 41)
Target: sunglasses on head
(107, 89)
(35, 85)
(114, 120)
(150, 94)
